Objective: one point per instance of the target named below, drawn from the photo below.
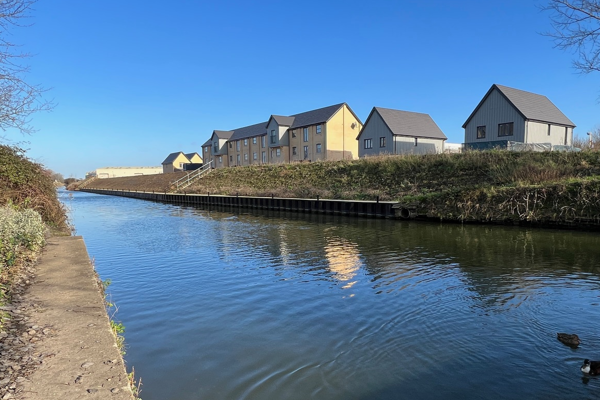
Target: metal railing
(188, 179)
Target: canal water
(241, 304)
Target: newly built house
(506, 114)
(323, 134)
(388, 131)
(176, 161)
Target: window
(262, 141)
(294, 151)
(368, 144)
(318, 128)
(293, 133)
(216, 148)
(505, 129)
(305, 133)
(245, 142)
(318, 147)
(220, 160)
(481, 132)
(278, 152)
(180, 165)
(255, 156)
(271, 154)
(238, 159)
(206, 149)
(254, 140)
(416, 141)
(273, 136)
(230, 159)
(237, 145)
(305, 152)
(245, 156)
(264, 156)
(566, 135)
(230, 145)
(549, 129)
(382, 141)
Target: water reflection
(236, 304)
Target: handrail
(188, 179)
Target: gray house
(389, 131)
(506, 114)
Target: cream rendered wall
(176, 164)
(537, 132)
(340, 137)
(406, 145)
(117, 172)
(374, 130)
(196, 159)
(495, 110)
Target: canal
(242, 304)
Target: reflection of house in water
(343, 258)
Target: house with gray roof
(388, 131)
(326, 133)
(506, 114)
(174, 162)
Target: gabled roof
(249, 131)
(407, 123)
(190, 155)
(172, 157)
(208, 142)
(318, 116)
(222, 134)
(531, 106)
(281, 120)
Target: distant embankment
(547, 189)
(148, 183)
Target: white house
(506, 114)
(388, 131)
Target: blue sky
(136, 80)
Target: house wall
(537, 132)
(298, 142)
(117, 172)
(341, 140)
(207, 154)
(374, 130)
(196, 159)
(495, 110)
(177, 164)
(406, 145)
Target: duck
(590, 367)
(569, 339)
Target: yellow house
(174, 162)
(194, 158)
(327, 133)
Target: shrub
(21, 231)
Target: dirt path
(78, 357)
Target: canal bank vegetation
(477, 186)
(29, 209)
(489, 186)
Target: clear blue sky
(136, 80)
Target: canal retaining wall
(359, 208)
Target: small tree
(18, 99)
(576, 26)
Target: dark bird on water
(590, 367)
(571, 340)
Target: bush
(21, 231)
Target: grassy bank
(487, 186)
